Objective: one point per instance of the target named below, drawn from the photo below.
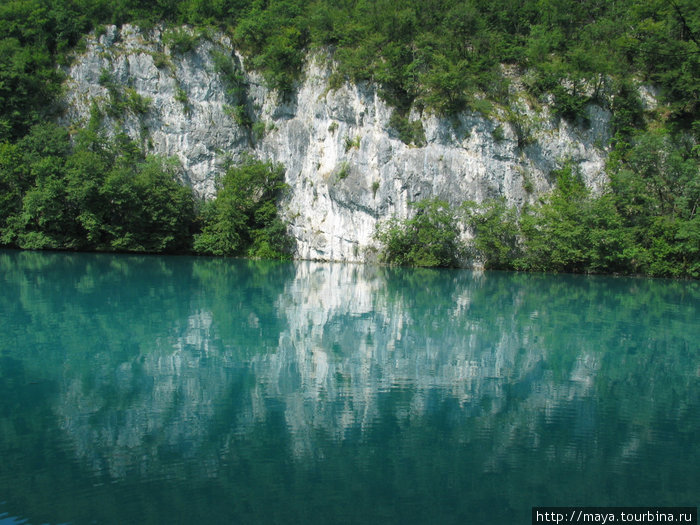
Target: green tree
(98, 195)
(429, 238)
(555, 233)
(495, 227)
(14, 181)
(44, 218)
(148, 210)
(656, 187)
(243, 218)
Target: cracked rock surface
(345, 165)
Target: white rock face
(346, 167)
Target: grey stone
(313, 132)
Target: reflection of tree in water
(211, 363)
(137, 359)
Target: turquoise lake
(147, 389)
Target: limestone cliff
(345, 164)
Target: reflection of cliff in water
(168, 366)
(351, 342)
(356, 347)
(152, 407)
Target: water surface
(193, 390)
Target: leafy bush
(351, 143)
(258, 130)
(429, 238)
(123, 99)
(181, 96)
(656, 189)
(100, 194)
(180, 41)
(239, 114)
(231, 76)
(570, 106)
(97, 195)
(162, 61)
(274, 36)
(243, 218)
(343, 171)
(495, 228)
(556, 236)
(498, 133)
(135, 103)
(149, 210)
(638, 226)
(410, 132)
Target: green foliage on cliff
(646, 222)
(429, 238)
(93, 195)
(243, 218)
(440, 55)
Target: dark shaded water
(193, 390)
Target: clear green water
(194, 390)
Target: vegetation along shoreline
(91, 186)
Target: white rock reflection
(349, 342)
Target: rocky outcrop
(346, 166)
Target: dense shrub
(646, 222)
(429, 238)
(243, 218)
(439, 54)
(495, 230)
(98, 194)
(180, 41)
